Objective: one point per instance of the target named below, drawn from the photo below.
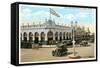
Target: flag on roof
(54, 13)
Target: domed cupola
(49, 22)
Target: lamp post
(74, 55)
(73, 38)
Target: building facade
(49, 32)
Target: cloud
(29, 13)
(28, 16)
(70, 16)
(75, 16)
(26, 10)
(41, 13)
(82, 15)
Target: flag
(53, 12)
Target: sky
(35, 14)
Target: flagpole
(73, 41)
(50, 13)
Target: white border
(51, 60)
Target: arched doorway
(21, 36)
(70, 35)
(21, 41)
(64, 36)
(60, 36)
(56, 36)
(67, 35)
(42, 37)
(30, 36)
(36, 37)
(25, 36)
(50, 37)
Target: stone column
(39, 37)
(33, 38)
(58, 37)
(54, 36)
(45, 36)
(46, 39)
(27, 37)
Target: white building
(47, 32)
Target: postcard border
(46, 4)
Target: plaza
(45, 53)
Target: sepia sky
(37, 14)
